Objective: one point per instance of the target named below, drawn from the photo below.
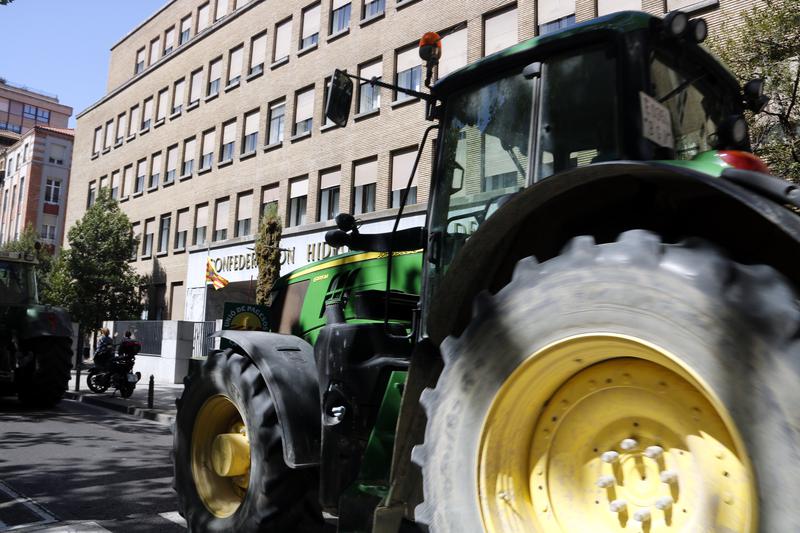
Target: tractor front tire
(43, 381)
(226, 407)
(634, 385)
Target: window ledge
(184, 177)
(328, 127)
(211, 97)
(232, 86)
(373, 18)
(192, 105)
(168, 183)
(95, 155)
(124, 199)
(273, 146)
(137, 194)
(247, 155)
(405, 3)
(307, 49)
(162, 254)
(146, 257)
(300, 136)
(204, 170)
(367, 114)
(254, 75)
(280, 62)
(332, 37)
(153, 188)
(143, 131)
(106, 150)
(160, 122)
(175, 115)
(405, 101)
(176, 251)
(118, 144)
(225, 163)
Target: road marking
(37, 510)
(174, 517)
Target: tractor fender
(287, 364)
(45, 321)
(604, 200)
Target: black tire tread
(45, 384)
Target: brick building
(21, 108)
(214, 109)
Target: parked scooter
(115, 371)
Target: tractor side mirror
(340, 98)
(345, 221)
(458, 178)
(754, 96)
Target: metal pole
(150, 391)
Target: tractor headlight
(676, 23)
(698, 29)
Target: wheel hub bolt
(338, 411)
(609, 457)
(628, 444)
(617, 506)
(664, 503)
(669, 476)
(605, 481)
(642, 515)
(654, 452)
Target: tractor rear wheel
(630, 386)
(230, 474)
(43, 381)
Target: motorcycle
(115, 371)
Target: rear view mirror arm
(375, 81)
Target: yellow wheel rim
(608, 433)
(220, 456)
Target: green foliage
(765, 43)
(5, 2)
(93, 278)
(268, 253)
(26, 244)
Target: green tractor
(597, 330)
(35, 340)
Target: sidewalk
(163, 409)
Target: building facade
(22, 108)
(33, 189)
(214, 110)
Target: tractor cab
(17, 279)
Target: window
(109, 140)
(163, 233)
(169, 40)
(239, 3)
(369, 96)
(202, 18)
(304, 111)
(409, 71)
(235, 65)
(154, 50)
(103, 183)
(309, 35)
(186, 29)
(329, 183)
(90, 197)
(207, 150)
(139, 66)
(228, 138)
(134, 121)
(373, 8)
(250, 139)
(221, 220)
(155, 171)
(365, 176)
(244, 210)
(604, 7)
(214, 75)
(181, 230)
(402, 163)
(276, 113)
(258, 51)
(136, 233)
(48, 232)
(188, 157)
(98, 141)
(177, 96)
(29, 111)
(200, 224)
(58, 153)
(115, 185)
(222, 9)
(42, 115)
(269, 200)
(325, 120)
(340, 16)
(298, 195)
(161, 110)
(500, 31)
(141, 171)
(172, 164)
(147, 242)
(121, 126)
(194, 89)
(454, 52)
(147, 114)
(52, 191)
(552, 15)
(127, 181)
(283, 35)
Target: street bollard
(150, 390)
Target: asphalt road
(77, 467)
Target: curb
(155, 415)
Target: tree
(765, 43)
(268, 253)
(27, 244)
(93, 278)
(5, 2)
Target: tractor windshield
(17, 283)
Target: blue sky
(62, 46)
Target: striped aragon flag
(213, 277)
